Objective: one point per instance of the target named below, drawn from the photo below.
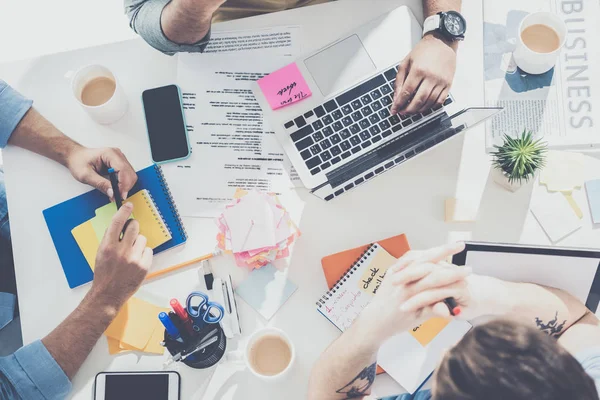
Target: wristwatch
(451, 25)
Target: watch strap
(431, 24)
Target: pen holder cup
(205, 358)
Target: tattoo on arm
(360, 385)
(552, 328)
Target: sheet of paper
(135, 324)
(276, 40)
(554, 214)
(571, 274)
(266, 289)
(284, 86)
(563, 171)
(232, 147)
(592, 189)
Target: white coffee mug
(531, 61)
(108, 112)
(244, 356)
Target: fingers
(413, 273)
(439, 277)
(113, 233)
(139, 246)
(443, 96)
(114, 158)
(97, 181)
(441, 310)
(420, 98)
(130, 235)
(433, 97)
(430, 297)
(405, 91)
(147, 257)
(437, 254)
(399, 83)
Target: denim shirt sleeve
(31, 373)
(144, 18)
(13, 107)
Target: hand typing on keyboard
(425, 76)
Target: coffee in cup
(269, 355)
(540, 38)
(97, 90)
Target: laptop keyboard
(350, 123)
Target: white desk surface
(409, 199)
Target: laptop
(343, 135)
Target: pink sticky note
(284, 86)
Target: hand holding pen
(414, 289)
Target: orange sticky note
(284, 86)
(428, 330)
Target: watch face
(455, 24)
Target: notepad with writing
(423, 345)
(70, 223)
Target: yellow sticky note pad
(158, 336)
(564, 171)
(135, 324)
(375, 272)
(428, 330)
(88, 243)
(151, 225)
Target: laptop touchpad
(340, 65)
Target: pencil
(162, 272)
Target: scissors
(203, 311)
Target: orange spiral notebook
(336, 265)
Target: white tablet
(574, 270)
(137, 385)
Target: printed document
(232, 147)
(279, 40)
(561, 105)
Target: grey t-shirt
(589, 360)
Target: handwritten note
(372, 277)
(284, 86)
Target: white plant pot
(501, 179)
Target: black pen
(452, 306)
(114, 181)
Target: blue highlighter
(170, 327)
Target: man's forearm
(431, 7)
(37, 134)
(346, 370)
(72, 341)
(188, 21)
(550, 310)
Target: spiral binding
(329, 294)
(172, 205)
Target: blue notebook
(63, 217)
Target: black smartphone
(165, 124)
(163, 385)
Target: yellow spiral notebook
(89, 234)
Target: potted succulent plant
(517, 160)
